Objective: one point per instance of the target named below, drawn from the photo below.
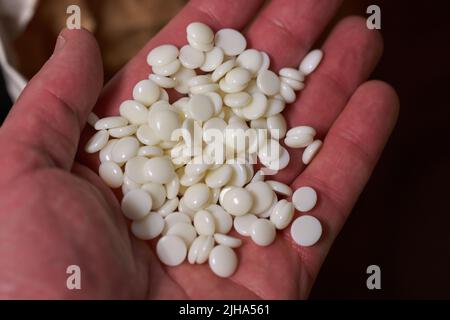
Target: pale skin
(55, 211)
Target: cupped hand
(55, 211)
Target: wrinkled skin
(55, 211)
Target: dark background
(402, 220)
(5, 102)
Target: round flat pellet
(251, 60)
(263, 232)
(223, 261)
(171, 250)
(228, 241)
(243, 223)
(200, 107)
(136, 204)
(200, 32)
(311, 151)
(213, 59)
(268, 82)
(168, 69)
(304, 199)
(162, 55)
(191, 58)
(306, 230)
(310, 62)
(231, 41)
(149, 227)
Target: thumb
(53, 108)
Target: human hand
(55, 211)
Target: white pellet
(280, 188)
(262, 232)
(222, 220)
(237, 201)
(136, 204)
(287, 93)
(243, 223)
(168, 69)
(237, 100)
(197, 196)
(298, 141)
(231, 41)
(204, 223)
(162, 55)
(213, 59)
(294, 84)
(256, 108)
(261, 194)
(150, 151)
(168, 207)
(111, 174)
(251, 60)
(157, 192)
(200, 249)
(268, 82)
(265, 62)
(149, 227)
(129, 185)
(171, 250)
(191, 58)
(306, 230)
(163, 123)
(221, 70)
(200, 32)
(105, 153)
(204, 88)
(205, 47)
(181, 78)
(311, 150)
(304, 199)
(219, 177)
(238, 76)
(310, 62)
(164, 82)
(97, 142)
(110, 122)
(185, 231)
(145, 92)
(123, 131)
(228, 241)
(147, 136)
(175, 217)
(282, 214)
(134, 168)
(159, 169)
(292, 73)
(223, 261)
(125, 149)
(277, 126)
(200, 107)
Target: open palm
(55, 211)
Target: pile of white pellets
(190, 186)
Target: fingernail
(60, 42)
